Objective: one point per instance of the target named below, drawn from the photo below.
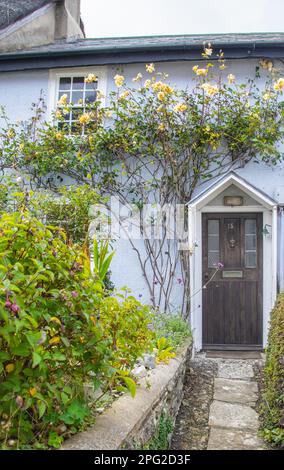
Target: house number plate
(232, 273)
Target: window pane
(250, 243)
(250, 259)
(78, 83)
(77, 96)
(213, 243)
(90, 96)
(91, 86)
(65, 83)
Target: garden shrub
(172, 327)
(126, 321)
(272, 404)
(51, 338)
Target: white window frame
(56, 74)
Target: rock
(149, 361)
(139, 372)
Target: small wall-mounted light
(265, 231)
(233, 201)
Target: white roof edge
(234, 178)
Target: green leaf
(36, 359)
(41, 408)
(130, 384)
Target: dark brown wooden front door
(232, 294)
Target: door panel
(232, 295)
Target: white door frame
(196, 208)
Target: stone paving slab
(232, 415)
(234, 369)
(235, 391)
(232, 439)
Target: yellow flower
(100, 95)
(266, 96)
(54, 340)
(119, 80)
(195, 68)
(211, 90)
(161, 127)
(161, 96)
(137, 78)
(147, 84)
(208, 51)
(160, 109)
(108, 113)
(32, 391)
(91, 78)
(55, 320)
(124, 95)
(202, 72)
(231, 78)
(279, 85)
(11, 133)
(85, 118)
(266, 64)
(63, 100)
(164, 87)
(150, 68)
(180, 108)
(222, 67)
(9, 368)
(58, 114)
(58, 135)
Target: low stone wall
(134, 420)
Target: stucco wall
(18, 90)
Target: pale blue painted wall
(18, 90)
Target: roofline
(82, 55)
(235, 178)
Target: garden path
(218, 411)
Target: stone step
(232, 415)
(235, 369)
(233, 439)
(235, 391)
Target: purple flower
(74, 294)
(15, 308)
(218, 265)
(8, 304)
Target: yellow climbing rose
(211, 90)
(63, 100)
(85, 118)
(279, 85)
(180, 108)
(150, 68)
(91, 78)
(119, 80)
